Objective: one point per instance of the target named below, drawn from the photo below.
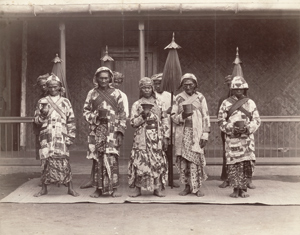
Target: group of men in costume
(106, 109)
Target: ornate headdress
(228, 79)
(99, 70)
(40, 78)
(53, 78)
(188, 76)
(157, 77)
(239, 82)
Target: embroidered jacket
(239, 148)
(57, 129)
(112, 101)
(158, 116)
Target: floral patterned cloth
(147, 167)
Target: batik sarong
(148, 167)
(56, 170)
(191, 164)
(106, 173)
(238, 174)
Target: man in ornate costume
(165, 97)
(239, 119)
(55, 116)
(104, 111)
(191, 118)
(147, 168)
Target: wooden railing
(277, 137)
(10, 136)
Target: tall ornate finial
(173, 44)
(106, 57)
(56, 59)
(237, 58)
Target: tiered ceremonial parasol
(170, 82)
(58, 71)
(106, 60)
(237, 69)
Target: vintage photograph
(150, 117)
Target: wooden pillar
(142, 48)
(23, 86)
(7, 89)
(63, 46)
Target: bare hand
(165, 144)
(185, 115)
(202, 143)
(145, 115)
(119, 139)
(169, 110)
(102, 119)
(44, 112)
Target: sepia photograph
(159, 117)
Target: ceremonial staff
(170, 80)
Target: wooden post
(142, 48)
(63, 47)
(23, 86)
(7, 90)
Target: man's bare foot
(97, 193)
(43, 191)
(235, 193)
(137, 192)
(224, 184)
(186, 191)
(72, 192)
(243, 194)
(115, 193)
(250, 184)
(159, 193)
(175, 185)
(199, 193)
(87, 185)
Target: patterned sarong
(238, 174)
(106, 176)
(191, 164)
(101, 135)
(56, 170)
(148, 167)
